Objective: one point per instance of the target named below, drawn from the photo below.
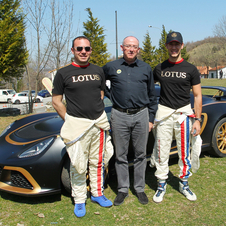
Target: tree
(162, 52)
(220, 28)
(43, 37)
(95, 33)
(13, 52)
(184, 53)
(216, 57)
(62, 17)
(220, 32)
(148, 51)
(208, 54)
(202, 56)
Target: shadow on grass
(172, 180)
(150, 179)
(30, 200)
(35, 199)
(111, 181)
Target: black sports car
(34, 161)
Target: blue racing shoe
(102, 201)
(80, 210)
(186, 191)
(161, 190)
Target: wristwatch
(199, 119)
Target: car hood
(31, 129)
(28, 131)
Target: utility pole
(116, 32)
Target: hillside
(211, 51)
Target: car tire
(17, 102)
(9, 101)
(219, 139)
(65, 175)
(66, 181)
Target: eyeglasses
(130, 47)
(80, 48)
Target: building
(204, 71)
(216, 72)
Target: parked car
(27, 91)
(34, 161)
(6, 95)
(23, 98)
(44, 93)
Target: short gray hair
(128, 37)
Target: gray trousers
(134, 127)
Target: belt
(129, 111)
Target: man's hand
(58, 105)
(196, 128)
(150, 126)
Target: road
(38, 107)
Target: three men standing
(132, 93)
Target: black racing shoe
(120, 198)
(142, 197)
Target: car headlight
(6, 129)
(37, 149)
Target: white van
(6, 95)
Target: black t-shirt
(176, 80)
(82, 87)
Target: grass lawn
(208, 183)
(213, 82)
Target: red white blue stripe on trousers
(99, 167)
(185, 148)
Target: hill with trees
(210, 51)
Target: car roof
(25, 91)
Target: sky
(194, 19)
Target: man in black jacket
(134, 106)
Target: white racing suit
(89, 145)
(169, 124)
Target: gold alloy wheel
(221, 138)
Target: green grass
(208, 183)
(212, 82)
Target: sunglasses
(80, 48)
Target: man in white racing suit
(175, 117)
(85, 130)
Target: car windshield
(22, 94)
(11, 91)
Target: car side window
(5, 93)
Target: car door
(4, 96)
(23, 97)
